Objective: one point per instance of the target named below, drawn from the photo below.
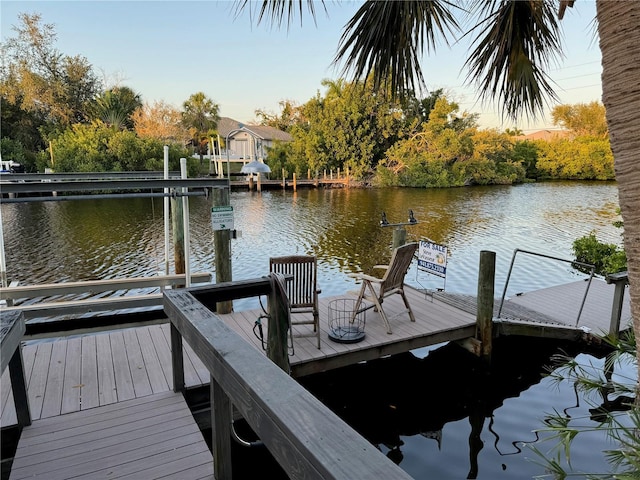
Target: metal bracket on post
(399, 233)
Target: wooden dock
(150, 437)
(78, 373)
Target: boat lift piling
(399, 233)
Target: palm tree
(514, 41)
(200, 116)
(116, 106)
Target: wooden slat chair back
(391, 283)
(302, 289)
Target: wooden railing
(67, 307)
(306, 438)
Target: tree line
(57, 114)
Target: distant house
(249, 142)
(545, 135)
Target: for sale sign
(432, 258)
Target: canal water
(435, 411)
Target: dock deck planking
(562, 303)
(150, 437)
(141, 383)
(141, 361)
(52, 404)
(71, 383)
(123, 379)
(89, 388)
(107, 392)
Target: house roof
(226, 125)
(545, 135)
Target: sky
(169, 50)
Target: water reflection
(110, 238)
(393, 399)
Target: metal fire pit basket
(341, 328)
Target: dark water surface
(432, 410)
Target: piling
(222, 246)
(399, 237)
(177, 226)
(484, 316)
(279, 324)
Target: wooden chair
(302, 288)
(391, 283)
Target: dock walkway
(79, 373)
(151, 437)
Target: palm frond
(278, 12)
(387, 39)
(516, 43)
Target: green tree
(514, 44)
(97, 147)
(350, 127)
(38, 78)
(526, 153)
(290, 115)
(200, 117)
(582, 119)
(584, 158)
(115, 107)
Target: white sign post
(222, 217)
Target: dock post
(399, 237)
(484, 316)
(294, 182)
(221, 419)
(251, 182)
(620, 280)
(284, 180)
(222, 246)
(177, 226)
(177, 362)
(279, 324)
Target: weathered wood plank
(38, 381)
(89, 391)
(72, 383)
(52, 404)
(164, 353)
(107, 392)
(143, 406)
(154, 437)
(121, 370)
(158, 381)
(141, 383)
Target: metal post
(185, 220)
(167, 239)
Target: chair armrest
(381, 266)
(362, 276)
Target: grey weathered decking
(84, 372)
(151, 437)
